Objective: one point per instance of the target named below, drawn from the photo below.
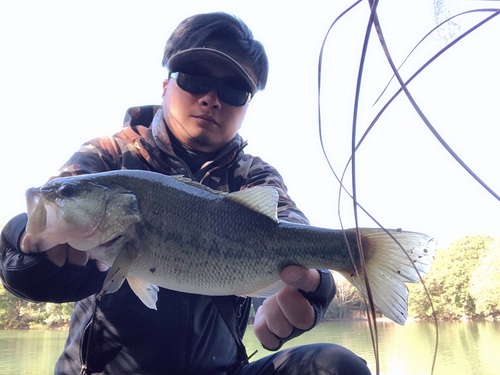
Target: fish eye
(66, 191)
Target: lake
(464, 347)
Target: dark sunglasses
(203, 84)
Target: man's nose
(211, 99)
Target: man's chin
(202, 143)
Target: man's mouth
(207, 118)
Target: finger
(301, 278)
(58, 254)
(25, 243)
(262, 332)
(296, 308)
(77, 257)
(276, 320)
(101, 266)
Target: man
(215, 67)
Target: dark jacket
(187, 334)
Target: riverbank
(65, 327)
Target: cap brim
(191, 55)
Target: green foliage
(463, 282)
(347, 303)
(9, 310)
(16, 313)
(485, 283)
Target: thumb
(25, 243)
(301, 278)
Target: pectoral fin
(147, 293)
(269, 291)
(119, 270)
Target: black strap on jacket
(230, 312)
(229, 308)
(92, 356)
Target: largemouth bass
(157, 230)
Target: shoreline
(379, 320)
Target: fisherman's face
(202, 121)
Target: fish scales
(168, 231)
(201, 242)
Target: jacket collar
(162, 139)
(153, 142)
(160, 134)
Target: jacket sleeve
(34, 278)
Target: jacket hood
(146, 127)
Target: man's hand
(60, 254)
(289, 308)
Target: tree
(16, 313)
(485, 282)
(347, 299)
(9, 310)
(463, 259)
(450, 281)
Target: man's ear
(165, 86)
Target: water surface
(30, 352)
(469, 348)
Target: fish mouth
(32, 198)
(41, 212)
(111, 242)
(48, 228)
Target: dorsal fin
(263, 199)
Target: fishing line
(432, 59)
(427, 122)
(374, 336)
(442, 50)
(372, 319)
(374, 20)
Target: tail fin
(388, 268)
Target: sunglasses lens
(202, 84)
(231, 95)
(194, 84)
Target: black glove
(320, 299)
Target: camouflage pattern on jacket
(189, 333)
(143, 144)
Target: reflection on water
(30, 352)
(464, 347)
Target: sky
(69, 70)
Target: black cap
(197, 54)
